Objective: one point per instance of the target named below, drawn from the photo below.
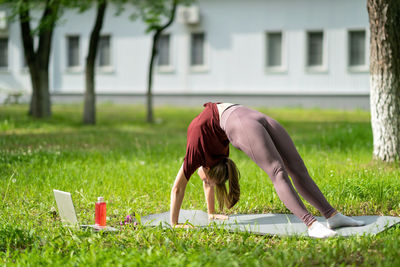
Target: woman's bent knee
(278, 172)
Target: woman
(267, 143)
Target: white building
(263, 52)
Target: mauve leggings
(268, 144)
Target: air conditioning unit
(189, 15)
(3, 20)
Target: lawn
(133, 165)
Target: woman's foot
(340, 220)
(318, 230)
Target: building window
(164, 50)
(73, 51)
(104, 51)
(197, 49)
(315, 41)
(274, 50)
(357, 48)
(3, 52)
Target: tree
(89, 112)
(37, 54)
(38, 59)
(384, 19)
(153, 13)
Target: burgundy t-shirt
(207, 143)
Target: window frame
(78, 68)
(170, 67)
(357, 68)
(323, 68)
(275, 69)
(7, 67)
(203, 67)
(106, 68)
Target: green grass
(133, 165)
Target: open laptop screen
(65, 207)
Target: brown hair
(226, 170)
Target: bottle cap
(100, 199)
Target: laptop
(68, 215)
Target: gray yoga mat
(269, 224)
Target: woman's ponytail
(226, 170)
(234, 187)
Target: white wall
(235, 39)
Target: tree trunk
(38, 61)
(40, 100)
(384, 18)
(156, 36)
(89, 112)
(149, 95)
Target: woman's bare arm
(210, 199)
(177, 194)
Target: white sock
(318, 230)
(340, 220)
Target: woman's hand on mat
(217, 217)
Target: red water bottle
(100, 212)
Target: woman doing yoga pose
(267, 143)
